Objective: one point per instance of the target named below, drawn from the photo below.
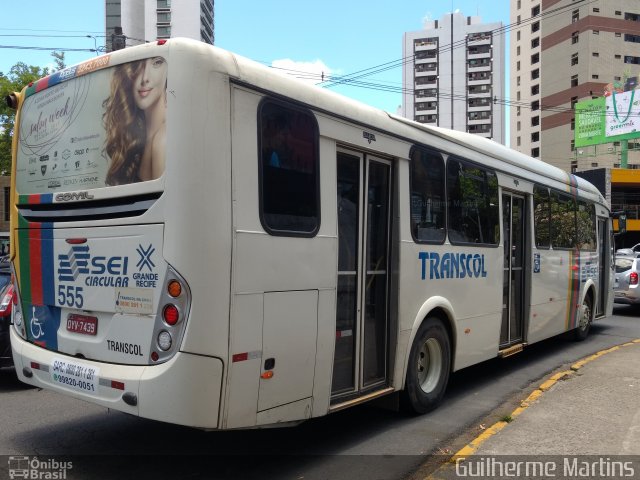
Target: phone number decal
(77, 376)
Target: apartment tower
(453, 75)
(564, 52)
(147, 20)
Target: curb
(473, 445)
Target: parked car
(626, 285)
(6, 302)
(629, 252)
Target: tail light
(6, 302)
(633, 278)
(171, 314)
(174, 288)
(175, 302)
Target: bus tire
(428, 368)
(584, 322)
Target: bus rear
(102, 306)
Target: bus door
(362, 317)
(602, 271)
(513, 222)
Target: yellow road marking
(472, 447)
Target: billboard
(93, 125)
(611, 118)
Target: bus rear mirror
(12, 100)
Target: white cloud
(311, 72)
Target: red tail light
(633, 278)
(6, 302)
(171, 314)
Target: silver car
(626, 287)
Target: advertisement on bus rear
(93, 126)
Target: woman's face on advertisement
(150, 83)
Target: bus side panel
(198, 193)
(288, 348)
(325, 347)
(285, 267)
(550, 292)
(243, 380)
(476, 297)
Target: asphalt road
(363, 442)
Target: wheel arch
(590, 291)
(438, 307)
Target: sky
(334, 37)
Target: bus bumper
(185, 390)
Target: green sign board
(608, 119)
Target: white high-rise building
(147, 20)
(453, 75)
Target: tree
(20, 75)
(58, 58)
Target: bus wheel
(584, 322)
(428, 369)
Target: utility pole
(624, 153)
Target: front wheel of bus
(584, 321)
(428, 369)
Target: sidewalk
(592, 409)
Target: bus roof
(252, 73)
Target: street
(364, 442)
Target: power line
(48, 36)
(444, 94)
(57, 49)
(450, 47)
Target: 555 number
(70, 295)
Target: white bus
(200, 240)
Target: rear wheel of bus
(584, 322)
(428, 369)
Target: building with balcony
(453, 71)
(564, 52)
(148, 20)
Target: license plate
(82, 324)
(75, 375)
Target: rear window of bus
(92, 126)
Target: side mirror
(12, 100)
(622, 222)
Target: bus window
(472, 194)
(426, 177)
(90, 132)
(289, 186)
(563, 221)
(586, 223)
(541, 212)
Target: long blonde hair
(124, 124)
